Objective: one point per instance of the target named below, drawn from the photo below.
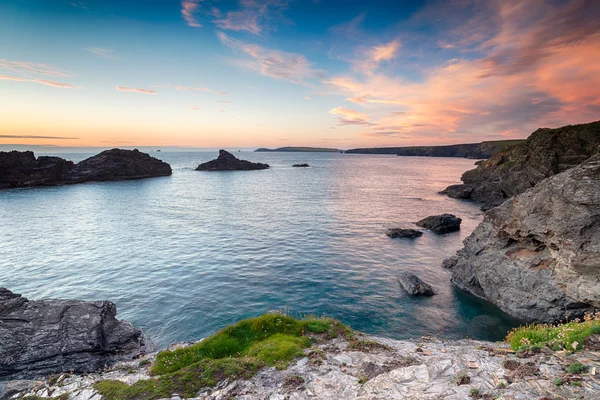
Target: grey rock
(228, 162)
(414, 285)
(440, 224)
(403, 233)
(537, 256)
(301, 165)
(518, 168)
(43, 337)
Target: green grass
(237, 351)
(577, 368)
(569, 336)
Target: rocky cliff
(22, 169)
(512, 171)
(467, 150)
(537, 256)
(44, 337)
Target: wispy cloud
(224, 101)
(189, 8)
(253, 16)
(194, 108)
(347, 116)
(292, 67)
(40, 81)
(31, 68)
(101, 52)
(384, 52)
(198, 89)
(307, 98)
(135, 90)
(37, 137)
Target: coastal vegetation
(569, 336)
(237, 351)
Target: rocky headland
(43, 337)
(537, 256)
(228, 162)
(512, 171)
(22, 169)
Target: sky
(272, 73)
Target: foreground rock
(440, 224)
(228, 162)
(414, 285)
(512, 171)
(537, 256)
(117, 164)
(22, 169)
(403, 233)
(39, 338)
(378, 369)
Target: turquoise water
(182, 256)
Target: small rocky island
(23, 169)
(228, 162)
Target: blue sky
(254, 73)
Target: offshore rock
(440, 224)
(22, 169)
(403, 233)
(512, 171)
(414, 285)
(228, 162)
(301, 165)
(537, 256)
(43, 337)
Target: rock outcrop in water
(228, 162)
(537, 256)
(301, 165)
(512, 171)
(22, 169)
(440, 224)
(39, 338)
(403, 233)
(414, 285)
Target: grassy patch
(64, 396)
(237, 351)
(577, 368)
(569, 336)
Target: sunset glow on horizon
(273, 73)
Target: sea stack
(228, 162)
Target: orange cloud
(40, 81)
(350, 117)
(135, 90)
(31, 68)
(384, 52)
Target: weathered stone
(403, 233)
(45, 337)
(228, 162)
(441, 224)
(414, 285)
(537, 256)
(22, 169)
(514, 170)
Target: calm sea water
(183, 256)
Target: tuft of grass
(568, 336)
(577, 368)
(237, 351)
(362, 380)
(462, 379)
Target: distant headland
(301, 149)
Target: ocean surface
(185, 255)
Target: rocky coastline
(22, 169)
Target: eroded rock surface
(403, 233)
(228, 162)
(512, 171)
(43, 337)
(537, 256)
(414, 285)
(22, 169)
(440, 224)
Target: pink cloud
(31, 68)
(198, 89)
(188, 10)
(40, 81)
(135, 90)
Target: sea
(185, 255)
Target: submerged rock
(440, 224)
(414, 285)
(44, 337)
(537, 256)
(228, 162)
(117, 164)
(512, 171)
(22, 169)
(403, 233)
(301, 165)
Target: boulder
(228, 162)
(415, 286)
(43, 337)
(537, 256)
(301, 165)
(22, 169)
(403, 233)
(440, 224)
(518, 168)
(117, 164)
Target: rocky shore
(22, 169)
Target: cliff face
(468, 150)
(512, 171)
(537, 256)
